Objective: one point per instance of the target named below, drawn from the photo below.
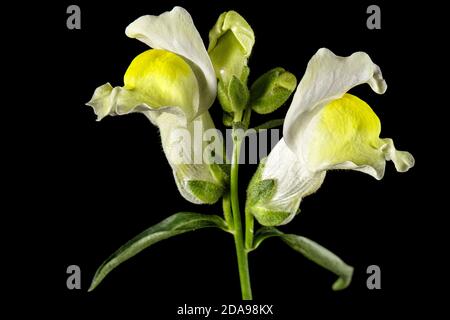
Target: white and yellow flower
(174, 85)
(325, 128)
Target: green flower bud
(271, 90)
(230, 44)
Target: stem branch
(241, 253)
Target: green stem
(249, 220)
(241, 253)
(226, 206)
(249, 223)
(237, 116)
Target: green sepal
(174, 225)
(234, 96)
(269, 217)
(271, 90)
(220, 172)
(222, 95)
(244, 75)
(238, 94)
(207, 192)
(259, 192)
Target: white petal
(182, 144)
(175, 31)
(376, 169)
(107, 100)
(293, 180)
(173, 125)
(183, 141)
(403, 160)
(327, 77)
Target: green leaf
(238, 94)
(271, 90)
(270, 124)
(265, 233)
(314, 252)
(323, 257)
(174, 225)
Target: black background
(86, 187)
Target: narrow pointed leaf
(314, 252)
(174, 225)
(265, 233)
(323, 257)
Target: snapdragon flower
(325, 128)
(173, 85)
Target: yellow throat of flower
(346, 129)
(163, 78)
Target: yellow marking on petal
(164, 78)
(346, 129)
